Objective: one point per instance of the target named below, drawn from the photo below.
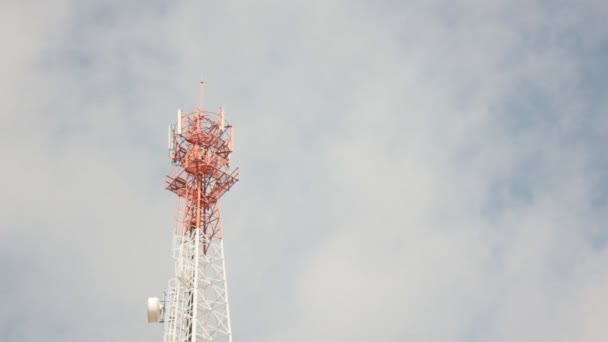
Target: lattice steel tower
(195, 306)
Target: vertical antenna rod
(200, 99)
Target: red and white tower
(195, 306)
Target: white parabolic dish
(153, 310)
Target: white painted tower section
(196, 303)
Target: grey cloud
(417, 170)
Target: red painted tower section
(201, 146)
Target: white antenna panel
(179, 121)
(170, 138)
(221, 119)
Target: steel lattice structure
(195, 307)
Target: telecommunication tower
(195, 306)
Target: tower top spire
(200, 99)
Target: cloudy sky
(410, 170)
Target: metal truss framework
(196, 303)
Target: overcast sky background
(410, 170)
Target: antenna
(179, 121)
(220, 119)
(155, 310)
(171, 132)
